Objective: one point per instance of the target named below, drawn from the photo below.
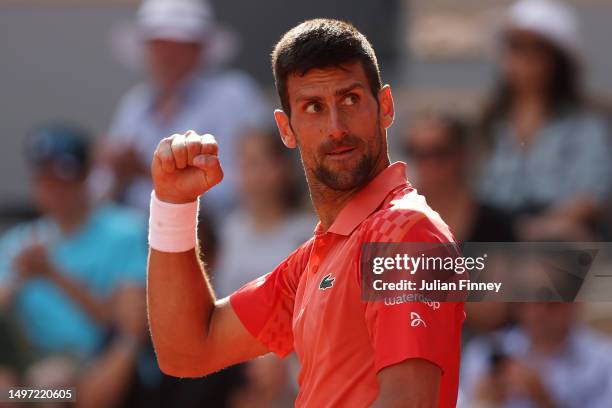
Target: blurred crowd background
(503, 114)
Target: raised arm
(194, 334)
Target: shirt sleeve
(265, 305)
(425, 330)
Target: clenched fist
(185, 166)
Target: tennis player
(353, 353)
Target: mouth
(341, 152)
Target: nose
(337, 127)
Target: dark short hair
(63, 146)
(321, 43)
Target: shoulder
(291, 268)
(298, 260)
(286, 276)
(406, 217)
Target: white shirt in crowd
(246, 254)
(224, 103)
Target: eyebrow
(349, 88)
(338, 92)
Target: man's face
(527, 60)
(54, 196)
(336, 122)
(430, 148)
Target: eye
(313, 107)
(350, 99)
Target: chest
(329, 315)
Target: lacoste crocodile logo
(327, 282)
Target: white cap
(550, 19)
(178, 20)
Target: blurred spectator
(550, 154)
(268, 224)
(184, 91)
(60, 276)
(438, 148)
(549, 360)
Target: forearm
(180, 304)
(96, 309)
(193, 335)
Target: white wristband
(172, 227)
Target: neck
(329, 202)
(529, 100)
(71, 221)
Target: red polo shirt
(311, 303)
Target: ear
(386, 106)
(284, 128)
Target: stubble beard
(346, 180)
(353, 178)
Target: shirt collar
(367, 200)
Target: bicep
(256, 319)
(227, 333)
(227, 343)
(410, 383)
